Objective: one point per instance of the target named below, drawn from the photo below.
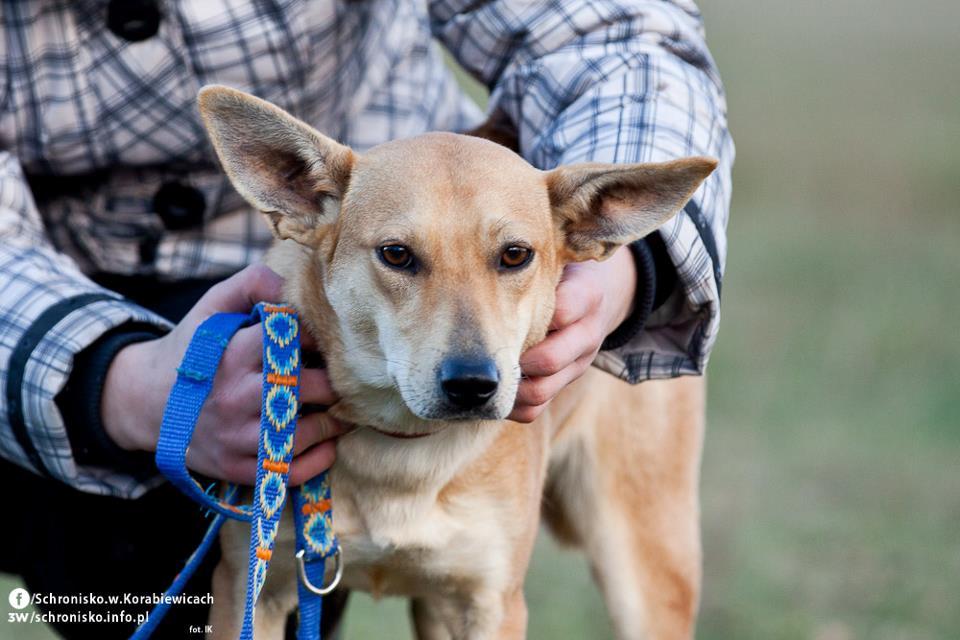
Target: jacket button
(133, 20)
(179, 206)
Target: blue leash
(315, 541)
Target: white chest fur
(406, 537)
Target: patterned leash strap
(315, 541)
(313, 519)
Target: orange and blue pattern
(280, 405)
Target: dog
(424, 268)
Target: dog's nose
(469, 382)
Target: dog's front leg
(513, 623)
(499, 615)
(485, 615)
(428, 624)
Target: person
(119, 233)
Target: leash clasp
(312, 588)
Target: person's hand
(593, 298)
(224, 444)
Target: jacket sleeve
(49, 312)
(615, 81)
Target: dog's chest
(410, 546)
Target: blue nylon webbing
(190, 390)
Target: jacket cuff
(643, 298)
(80, 402)
(656, 280)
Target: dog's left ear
(600, 207)
(286, 169)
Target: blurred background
(831, 474)
(831, 477)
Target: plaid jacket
(92, 124)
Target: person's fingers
(534, 394)
(526, 414)
(572, 270)
(548, 357)
(541, 390)
(558, 350)
(221, 465)
(240, 397)
(574, 302)
(314, 451)
(242, 393)
(214, 441)
(240, 292)
(232, 454)
(315, 428)
(244, 352)
(315, 387)
(246, 349)
(312, 462)
(245, 439)
(240, 471)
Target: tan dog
(424, 268)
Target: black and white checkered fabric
(92, 125)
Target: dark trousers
(65, 542)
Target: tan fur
(449, 519)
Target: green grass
(831, 483)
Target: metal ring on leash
(320, 591)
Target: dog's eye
(514, 257)
(396, 256)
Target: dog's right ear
(286, 169)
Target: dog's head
(439, 255)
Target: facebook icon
(19, 598)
